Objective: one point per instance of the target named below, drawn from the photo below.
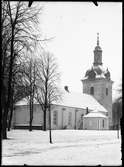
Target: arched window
(106, 91)
(69, 118)
(92, 90)
(55, 117)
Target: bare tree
(29, 80)
(18, 31)
(47, 85)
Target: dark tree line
(117, 113)
(18, 33)
(25, 74)
(117, 110)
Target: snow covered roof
(24, 101)
(76, 100)
(97, 76)
(81, 100)
(95, 114)
(97, 71)
(100, 76)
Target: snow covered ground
(70, 147)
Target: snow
(100, 76)
(24, 101)
(70, 147)
(95, 114)
(76, 100)
(81, 100)
(103, 68)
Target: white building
(71, 112)
(66, 114)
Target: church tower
(98, 83)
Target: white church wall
(67, 117)
(56, 114)
(62, 117)
(37, 116)
(95, 123)
(21, 116)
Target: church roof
(98, 48)
(99, 72)
(76, 100)
(24, 101)
(95, 114)
(81, 100)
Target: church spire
(97, 39)
(97, 53)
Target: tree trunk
(6, 110)
(30, 108)
(3, 104)
(4, 132)
(45, 104)
(44, 120)
(31, 114)
(4, 124)
(30, 122)
(11, 109)
(50, 135)
(10, 118)
(7, 103)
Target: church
(89, 110)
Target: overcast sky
(74, 26)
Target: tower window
(106, 91)
(92, 90)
